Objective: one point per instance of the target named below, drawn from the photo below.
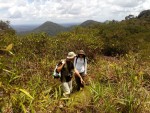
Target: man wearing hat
(66, 67)
(80, 63)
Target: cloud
(4, 5)
(146, 5)
(16, 14)
(69, 10)
(125, 3)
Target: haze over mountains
(49, 27)
(23, 28)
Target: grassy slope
(110, 91)
(117, 86)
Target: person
(80, 63)
(66, 68)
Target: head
(81, 53)
(71, 56)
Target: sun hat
(81, 52)
(71, 55)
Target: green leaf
(14, 78)
(23, 108)
(8, 71)
(9, 47)
(47, 91)
(11, 52)
(26, 93)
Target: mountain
(144, 14)
(88, 23)
(50, 28)
(69, 24)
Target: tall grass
(117, 84)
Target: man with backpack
(80, 63)
(66, 68)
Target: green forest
(118, 68)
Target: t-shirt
(81, 64)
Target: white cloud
(38, 11)
(126, 3)
(146, 4)
(16, 14)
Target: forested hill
(118, 78)
(52, 28)
(144, 14)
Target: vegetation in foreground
(118, 74)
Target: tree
(144, 14)
(6, 28)
(129, 17)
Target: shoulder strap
(76, 60)
(84, 59)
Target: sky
(68, 11)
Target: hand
(82, 81)
(63, 61)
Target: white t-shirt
(80, 65)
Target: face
(70, 59)
(80, 55)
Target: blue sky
(69, 11)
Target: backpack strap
(77, 59)
(85, 61)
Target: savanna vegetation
(118, 69)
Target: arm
(78, 74)
(60, 66)
(74, 63)
(85, 65)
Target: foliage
(117, 84)
(5, 28)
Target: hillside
(54, 28)
(88, 23)
(50, 28)
(144, 14)
(118, 75)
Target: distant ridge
(50, 28)
(88, 23)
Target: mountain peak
(50, 23)
(89, 22)
(50, 27)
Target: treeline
(111, 39)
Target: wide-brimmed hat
(81, 52)
(71, 55)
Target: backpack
(55, 73)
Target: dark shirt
(67, 71)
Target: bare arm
(60, 66)
(78, 74)
(85, 65)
